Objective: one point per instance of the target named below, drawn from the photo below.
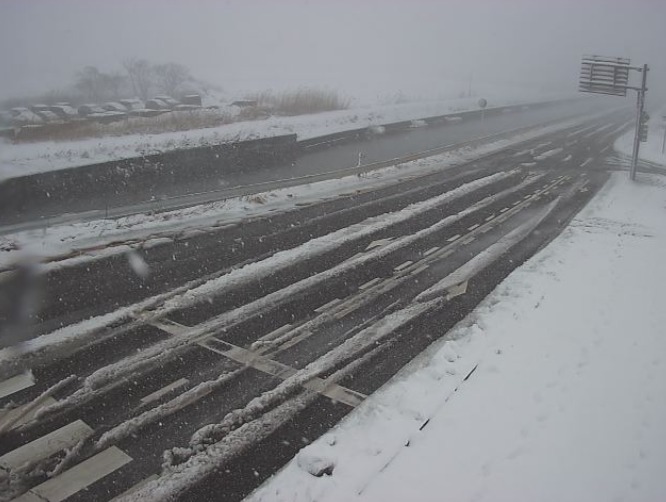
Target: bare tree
(88, 83)
(113, 84)
(140, 74)
(97, 86)
(170, 76)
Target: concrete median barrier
(142, 174)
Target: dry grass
(301, 102)
(169, 122)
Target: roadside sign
(603, 75)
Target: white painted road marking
(371, 282)
(159, 393)
(476, 225)
(276, 333)
(265, 364)
(28, 497)
(79, 477)
(431, 251)
(280, 370)
(378, 243)
(45, 446)
(403, 266)
(454, 238)
(419, 269)
(9, 416)
(328, 305)
(444, 254)
(16, 383)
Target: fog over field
(356, 47)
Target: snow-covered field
(27, 158)
(654, 150)
(553, 389)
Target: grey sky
(355, 46)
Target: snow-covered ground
(85, 240)
(654, 150)
(552, 389)
(26, 158)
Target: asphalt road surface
(374, 148)
(248, 341)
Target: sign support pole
(640, 105)
(604, 75)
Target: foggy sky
(353, 46)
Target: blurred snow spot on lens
(138, 264)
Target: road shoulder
(555, 377)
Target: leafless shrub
(301, 102)
(170, 77)
(140, 74)
(254, 113)
(97, 86)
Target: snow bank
(551, 390)
(654, 150)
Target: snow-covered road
(553, 389)
(231, 337)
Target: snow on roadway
(27, 158)
(148, 229)
(196, 290)
(251, 272)
(565, 400)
